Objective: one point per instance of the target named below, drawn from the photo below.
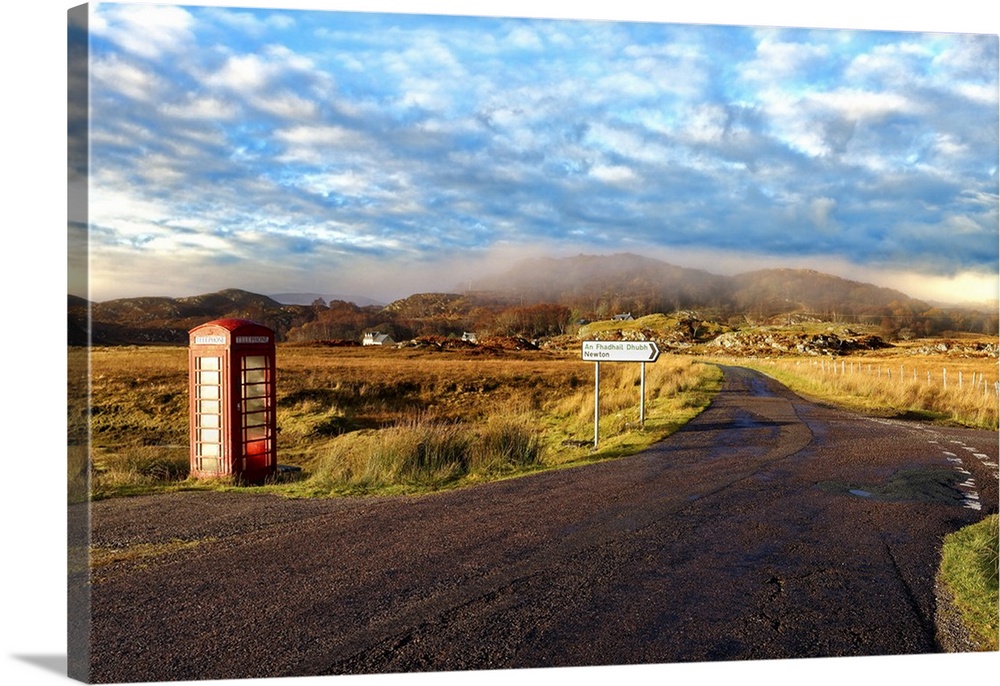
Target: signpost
(619, 351)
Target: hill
(542, 297)
(604, 285)
(147, 320)
(773, 291)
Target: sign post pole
(597, 399)
(642, 395)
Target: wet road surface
(770, 527)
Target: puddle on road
(930, 484)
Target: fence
(966, 391)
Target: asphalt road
(770, 527)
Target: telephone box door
(255, 443)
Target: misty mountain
(599, 285)
(782, 290)
(631, 283)
(584, 287)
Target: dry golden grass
(339, 408)
(959, 390)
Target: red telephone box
(232, 400)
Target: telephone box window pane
(208, 392)
(255, 419)
(255, 362)
(209, 464)
(255, 404)
(208, 362)
(255, 433)
(209, 421)
(211, 449)
(254, 376)
(255, 390)
(208, 435)
(208, 378)
(209, 406)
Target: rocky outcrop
(762, 342)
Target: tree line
(340, 320)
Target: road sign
(620, 351)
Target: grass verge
(892, 387)
(968, 571)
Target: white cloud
(896, 65)
(860, 104)
(251, 24)
(983, 93)
(201, 108)
(149, 31)
(776, 61)
(286, 105)
(117, 75)
(963, 287)
(523, 38)
(616, 174)
(244, 73)
(305, 136)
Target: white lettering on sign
(210, 340)
(253, 339)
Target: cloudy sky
(382, 154)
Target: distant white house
(377, 338)
(624, 317)
(468, 337)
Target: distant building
(377, 338)
(468, 336)
(624, 317)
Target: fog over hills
(585, 286)
(626, 282)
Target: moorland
(489, 384)
(492, 376)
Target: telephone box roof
(233, 324)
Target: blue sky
(382, 154)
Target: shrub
(506, 442)
(137, 466)
(420, 451)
